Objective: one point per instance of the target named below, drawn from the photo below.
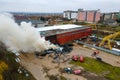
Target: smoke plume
(21, 38)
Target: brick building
(83, 15)
(88, 15)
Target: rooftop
(68, 26)
(57, 29)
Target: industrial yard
(59, 40)
(60, 52)
(51, 65)
(44, 66)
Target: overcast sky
(58, 5)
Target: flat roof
(57, 29)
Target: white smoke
(21, 38)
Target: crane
(108, 39)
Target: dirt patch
(42, 67)
(92, 76)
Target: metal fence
(100, 48)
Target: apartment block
(82, 16)
(88, 15)
(70, 14)
(110, 16)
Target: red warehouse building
(62, 34)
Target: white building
(70, 14)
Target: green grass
(100, 68)
(62, 78)
(110, 28)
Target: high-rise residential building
(83, 15)
(88, 15)
(70, 14)
(110, 16)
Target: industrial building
(62, 34)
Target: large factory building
(62, 34)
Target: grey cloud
(58, 5)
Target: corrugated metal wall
(69, 36)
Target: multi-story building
(110, 16)
(88, 15)
(83, 15)
(70, 14)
